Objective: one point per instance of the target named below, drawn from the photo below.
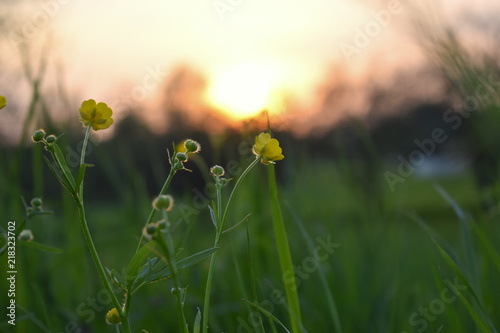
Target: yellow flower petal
(3, 102)
(113, 317)
(88, 106)
(103, 110)
(100, 126)
(260, 142)
(99, 115)
(267, 149)
(273, 151)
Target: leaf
(156, 269)
(465, 232)
(151, 271)
(114, 279)
(45, 212)
(81, 174)
(433, 234)
(212, 216)
(252, 278)
(135, 264)
(58, 176)
(475, 314)
(197, 322)
(487, 245)
(267, 314)
(237, 224)
(40, 246)
(284, 253)
(321, 272)
(63, 165)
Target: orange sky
(111, 49)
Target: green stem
(229, 201)
(284, 254)
(100, 267)
(126, 310)
(84, 147)
(213, 258)
(220, 229)
(79, 188)
(163, 190)
(167, 247)
(78, 197)
(208, 290)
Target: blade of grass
(42, 305)
(434, 235)
(267, 314)
(487, 245)
(475, 313)
(284, 254)
(465, 233)
(252, 278)
(40, 246)
(472, 311)
(326, 288)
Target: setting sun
(244, 90)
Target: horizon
(234, 70)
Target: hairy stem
(220, 229)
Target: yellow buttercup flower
(97, 115)
(3, 102)
(113, 317)
(267, 149)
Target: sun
(244, 90)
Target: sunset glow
(245, 90)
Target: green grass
(385, 268)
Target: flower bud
(192, 146)
(51, 139)
(163, 202)
(36, 202)
(182, 157)
(150, 230)
(113, 317)
(217, 170)
(25, 235)
(39, 135)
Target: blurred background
(374, 103)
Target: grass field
(365, 259)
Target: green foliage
(397, 257)
(383, 272)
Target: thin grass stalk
(284, 254)
(324, 281)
